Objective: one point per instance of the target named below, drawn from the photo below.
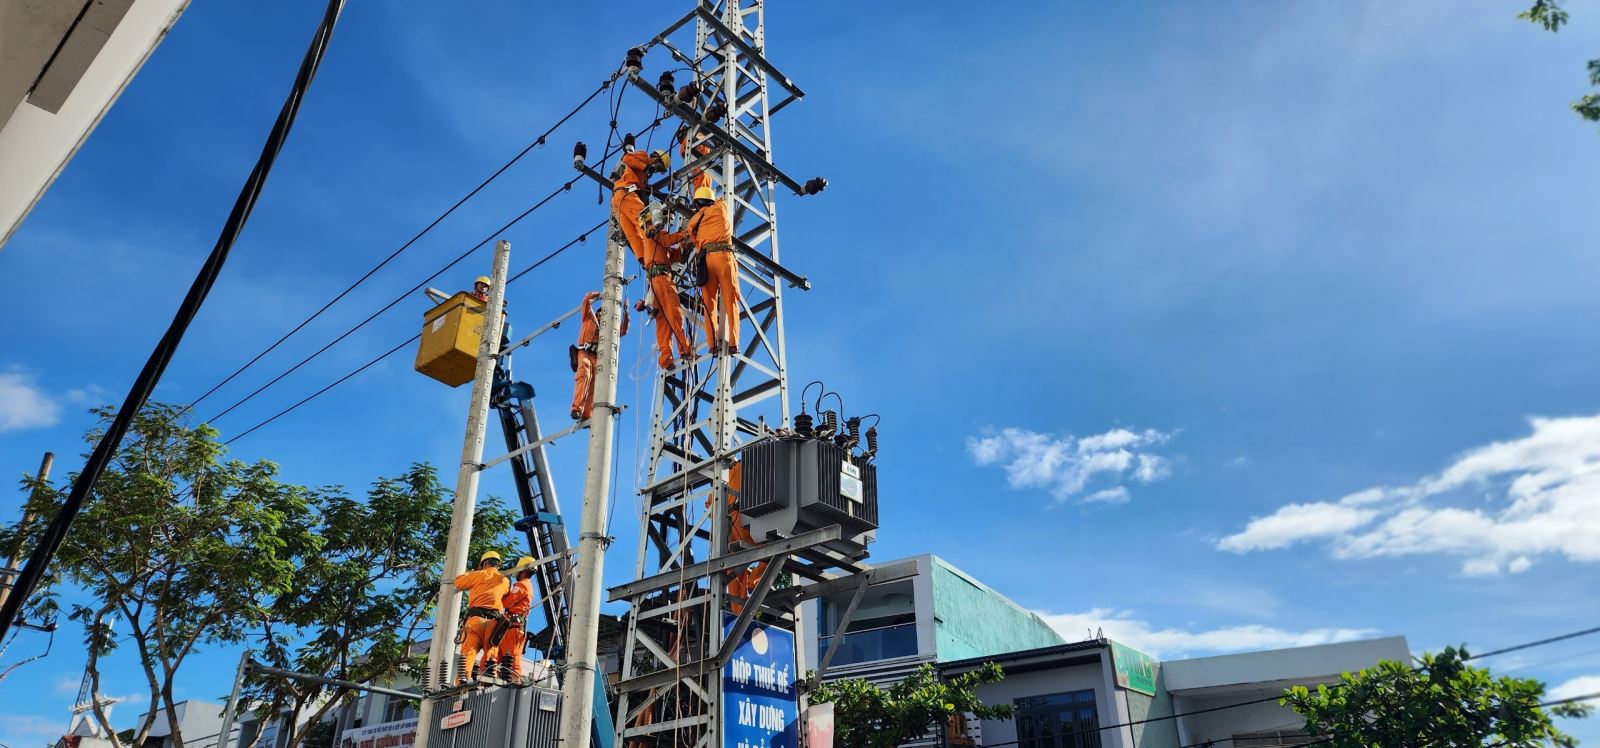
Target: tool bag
(572, 357)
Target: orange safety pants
(510, 652)
(475, 638)
(669, 320)
(626, 207)
(721, 294)
(743, 583)
(583, 384)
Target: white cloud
(1066, 465)
(1170, 642)
(1294, 523)
(1497, 507)
(1117, 495)
(1582, 685)
(22, 405)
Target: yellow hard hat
(484, 279)
(526, 561)
(665, 158)
(704, 193)
(487, 555)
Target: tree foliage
(362, 604)
(179, 547)
(1441, 702)
(866, 716)
(1551, 16)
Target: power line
(1252, 702)
(565, 187)
(1541, 642)
(341, 380)
(537, 142)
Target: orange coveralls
(626, 204)
(742, 582)
(699, 177)
(588, 341)
(668, 312)
(518, 602)
(484, 588)
(712, 232)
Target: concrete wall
(1296, 664)
(1043, 682)
(1226, 723)
(1138, 707)
(970, 620)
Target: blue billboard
(760, 707)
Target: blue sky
(1223, 325)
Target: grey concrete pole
(577, 686)
(441, 662)
(233, 700)
(11, 558)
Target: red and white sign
(455, 720)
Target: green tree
(866, 716)
(1551, 16)
(179, 547)
(1441, 702)
(176, 547)
(363, 603)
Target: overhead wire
(564, 187)
(537, 142)
(578, 240)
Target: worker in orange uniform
(584, 354)
(711, 232)
(695, 142)
(484, 587)
(480, 288)
(667, 310)
(740, 582)
(629, 190)
(512, 633)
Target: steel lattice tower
(670, 690)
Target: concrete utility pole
(11, 556)
(441, 649)
(577, 686)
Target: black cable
(537, 142)
(1551, 640)
(341, 380)
(565, 186)
(150, 375)
(807, 388)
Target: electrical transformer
(792, 485)
(497, 717)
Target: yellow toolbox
(451, 334)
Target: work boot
(576, 415)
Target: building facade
(1096, 693)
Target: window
(884, 625)
(395, 709)
(1060, 720)
(1271, 739)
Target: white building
(1068, 694)
(62, 64)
